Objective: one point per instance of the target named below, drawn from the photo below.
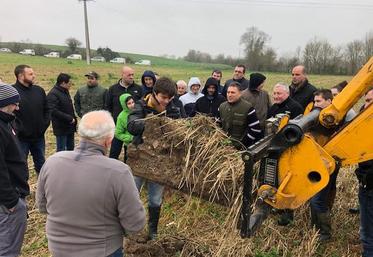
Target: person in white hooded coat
(194, 93)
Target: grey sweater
(90, 201)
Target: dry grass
(209, 229)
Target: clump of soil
(139, 246)
(190, 155)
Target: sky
(173, 27)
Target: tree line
(318, 55)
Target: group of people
(91, 200)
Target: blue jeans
(320, 201)
(37, 150)
(65, 143)
(366, 220)
(117, 253)
(155, 191)
(116, 148)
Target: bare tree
(254, 41)
(354, 55)
(73, 44)
(368, 45)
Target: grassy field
(200, 222)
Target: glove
(173, 112)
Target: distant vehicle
(28, 52)
(118, 60)
(7, 50)
(143, 62)
(74, 57)
(98, 59)
(53, 55)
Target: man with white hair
(282, 102)
(90, 200)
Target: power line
(302, 4)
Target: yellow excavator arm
(296, 163)
(303, 168)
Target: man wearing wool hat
(13, 177)
(258, 97)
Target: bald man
(90, 200)
(125, 85)
(300, 89)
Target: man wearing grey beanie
(13, 177)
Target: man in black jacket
(155, 103)
(32, 118)
(209, 104)
(300, 89)
(125, 85)
(13, 177)
(238, 76)
(62, 113)
(282, 102)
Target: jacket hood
(211, 82)
(194, 81)
(148, 73)
(123, 99)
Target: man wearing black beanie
(258, 97)
(13, 177)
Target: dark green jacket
(240, 122)
(89, 99)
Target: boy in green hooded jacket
(127, 102)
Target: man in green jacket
(90, 97)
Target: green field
(200, 222)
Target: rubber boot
(154, 213)
(325, 227)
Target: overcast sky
(173, 27)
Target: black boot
(322, 223)
(154, 213)
(324, 226)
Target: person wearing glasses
(238, 76)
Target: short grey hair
(96, 126)
(284, 86)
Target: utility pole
(87, 45)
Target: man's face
(91, 81)
(163, 99)
(11, 108)
(211, 90)
(148, 82)
(335, 92)
(28, 76)
(233, 94)
(298, 75)
(368, 99)
(128, 75)
(238, 73)
(67, 85)
(216, 76)
(195, 88)
(321, 102)
(181, 89)
(279, 94)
